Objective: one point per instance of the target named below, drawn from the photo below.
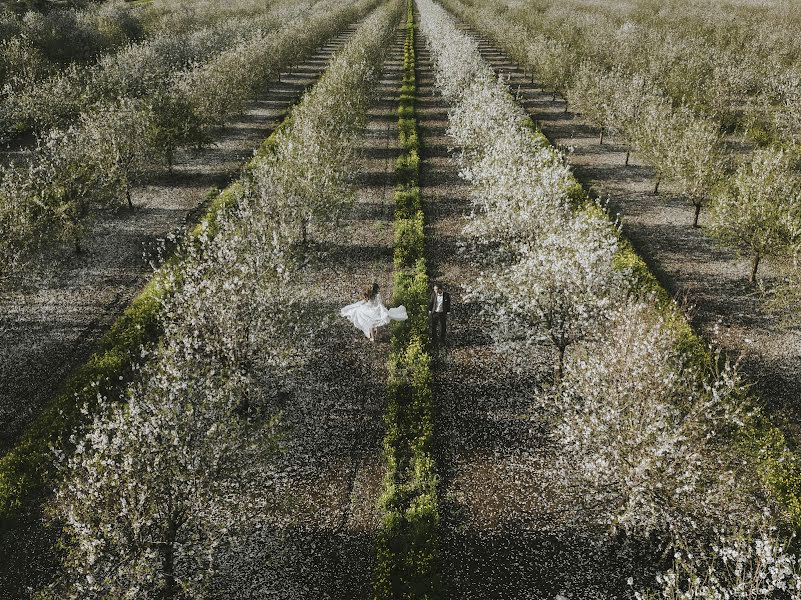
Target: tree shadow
(516, 561)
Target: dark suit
(438, 319)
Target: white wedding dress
(369, 314)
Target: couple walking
(369, 313)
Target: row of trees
(75, 172)
(36, 44)
(756, 218)
(65, 35)
(735, 63)
(137, 70)
(644, 432)
(159, 490)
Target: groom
(439, 305)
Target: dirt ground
(710, 281)
(51, 321)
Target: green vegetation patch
(408, 544)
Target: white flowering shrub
(647, 436)
(759, 213)
(560, 289)
(736, 565)
(695, 160)
(51, 103)
(119, 132)
(20, 63)
(591, 93)
(654, 137)
(786, 89)
(51, 197)
(519, 191)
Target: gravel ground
(709, 280)
(321, 544)
(50, 323)
(507, 531)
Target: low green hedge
(409, 242)
(407, 201)
(407, 167)
(408, 541)
(407, 547)
(411, 290)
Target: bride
(369, 313)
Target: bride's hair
(370, 292)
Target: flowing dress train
(367, 315)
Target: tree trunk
(168, 563)
(628, 153)
(754, 267)
(560, 365)
(697, 213)
(128, 193)
(601, 137)
(658, 181)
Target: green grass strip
(408, 546)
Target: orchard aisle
(506, 532)
(322, 543)
(52, 323)
(687, 262)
